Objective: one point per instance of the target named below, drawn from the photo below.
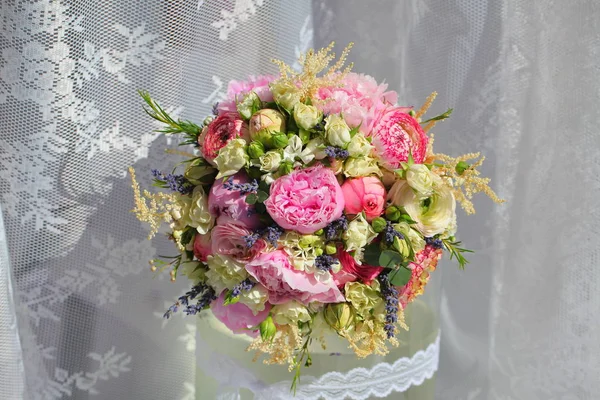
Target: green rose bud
(267, 329)
(319, 232)
(279, 140)
(461, 167)
(264, 123)
(412, 113)
(285, 94)
(318, 251)
(256, 149)
(338, 132)
(285, 168)
(340, 316)
(379, 224)
(249, 104)
(330, 248)
(392, 213)
(402, 246)
(306, 116)
(196, 170)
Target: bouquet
(312, 201)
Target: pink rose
(275, 272)
(306, 200)
(364, 194)
(396, 134)
(237, 89)
(202, 247)
(352, 271)
(221, 131)
(238, 317)
(228, 240)
(224, 203)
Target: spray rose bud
(279, 140)
(392, 213)
(340, 316)
(267, 329)
(379, 224)
(338, 132)
(248, 105)
(264, 123)
(285, 94)
(256, 149)
(208, 120)
(402, 246)
(461, 167)
(330, 248)
(306, 116)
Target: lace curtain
(80, 314)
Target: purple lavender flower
(336, 227)
(272, 234)
(325, 262)
(390, 233)
(390, 296)
(244, 285)
(177, 183)
(251, 239)
(206, 293)
(436, 243)
(215, 109)
(243, 188)
(336, 152)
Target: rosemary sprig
(299, 362)
(155, 111)
(453, 246)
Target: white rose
(337, 131)
(192, 211)
(231, 158)
(358, 234)
(255, 298)
(421, 179)
(285, 94)
(433, 215)
(270, 161)
(362, 166)
(359, 146)
(290, 313)
(224, 272)
(306, 116)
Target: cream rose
(224, 272)
(306, 116)
(359, 233)
(231, 158)
(193, 211)
(416, 240)
(255, 298)
(422, 180)
(363, 298)
(285, 94)
(359, 146)
(290, 313)
(362, 166)
(270, 161)
(337, 131)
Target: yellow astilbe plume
(465, 185)
(370, 337)
(426, 105)
(157, 211)
(281, 349)
(314, 63)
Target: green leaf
(390, 259)
(188, 235)
(264, 186)
(260, 208)
(400, 276)
(271, 104)
(229, 299)
(407, 218)
(439, 117)
(262, 196)
(252, 198)
(371, 254)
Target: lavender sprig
(435, 243)
(390, 233)
(325, 262)
(336, 152)
(243, 188)
(335, 227)
(244, 285)
(390, 296)
(272, 234)
(177, 183)
(206, 293)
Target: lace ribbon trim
(379, 381)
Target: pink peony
(228, 240)
(238, 317)
(221, 131)
(284, 283)
(396, 134)
(361, 99)
(364, 194)
(202, 247)
(224, 203)
(306, 200)
(425, 262)
(236, 89)
(352, 271)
